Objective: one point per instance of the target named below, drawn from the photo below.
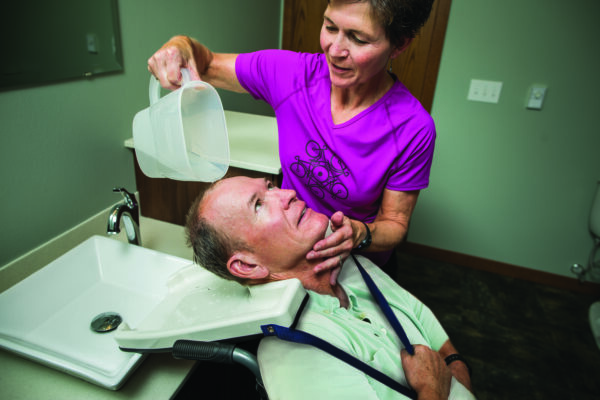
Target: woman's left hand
(335, 248)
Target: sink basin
(47, 317)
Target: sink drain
(106, 322)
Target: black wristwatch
(366, 241)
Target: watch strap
(367, 240)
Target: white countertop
(159, 375)
(253, 142)
(157, 378)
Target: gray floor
(523, 340)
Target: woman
(353, 142)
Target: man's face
(277, 226)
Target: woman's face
(356, 47)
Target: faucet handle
(129, 198)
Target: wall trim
(500, 268)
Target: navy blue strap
(385, 307)
(296, 336)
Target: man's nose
(286, 197)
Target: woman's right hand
(179, 52)
(335, 248)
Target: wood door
(417, 67)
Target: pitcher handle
(154, 88)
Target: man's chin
(327, 230)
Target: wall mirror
(45, 41)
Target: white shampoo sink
(47, 317)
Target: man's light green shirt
(296, 371)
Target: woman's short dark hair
(212, 248)
(401, 19)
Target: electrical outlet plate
(536, 97)
(484, 91)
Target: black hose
(204, 351)
(220, 353)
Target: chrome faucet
(130, 212)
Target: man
(247, 230)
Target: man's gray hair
(212, 247)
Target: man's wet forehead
(230, 197)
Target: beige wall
(510, 184)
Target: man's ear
(398, 50)
(244, 266)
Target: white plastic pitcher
(182, 135)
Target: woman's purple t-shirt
(347, 166)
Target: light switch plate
(485, 91)
(92, 43)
